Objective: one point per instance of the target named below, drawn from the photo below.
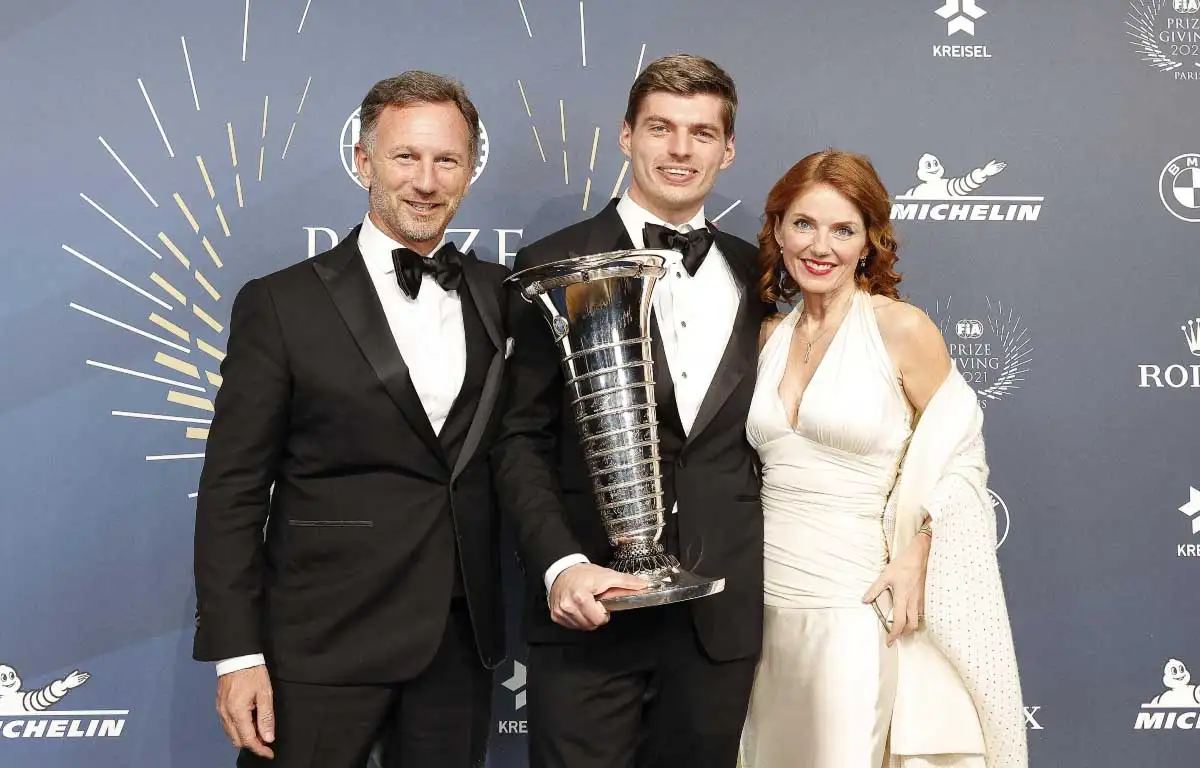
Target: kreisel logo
(1177, 707)
(515, 685)
(1175, 375)
(1191, 510)
(937, 198)
(960, 16)
(1167, 35)
(1179, 186)
(29, 714)
(989, 344)
(350, 133)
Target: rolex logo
(1191, 332)
(1175, 375)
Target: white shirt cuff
(561, 565)
(238, 663)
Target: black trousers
(644, 695)
(440, 718)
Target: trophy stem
(644, 559)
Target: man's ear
(363, 164)
(626, 139)
(730, 152)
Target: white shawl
(958, 691)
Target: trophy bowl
(598, 310)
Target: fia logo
(1175, 375)
(937, 198)
(1179, 185)
(28, 714)
(992, 348)
(1178, 706)
(1168, 42)
(350, 134)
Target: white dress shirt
(695, 318)
(431, 338)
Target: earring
(862, 264)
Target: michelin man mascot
(1179, 693)
(14, 701)
(934, 185)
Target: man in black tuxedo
(362, 384)
(664, 686)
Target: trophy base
(677, 586)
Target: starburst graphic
(177, 305)
(1143, 16)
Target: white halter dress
(826, 682)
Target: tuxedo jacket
(343, 572)
(711, 471)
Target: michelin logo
(938, 198)
(1178, 706)
(33, 720)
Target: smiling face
(417, 168)
(676, 149)
(929, 168)
(823, 236)
(1175, 674)
(8, 679)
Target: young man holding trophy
(666, 682)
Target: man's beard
(390, 210)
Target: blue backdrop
(160, 153)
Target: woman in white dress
(875, 505)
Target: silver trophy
(598, 308)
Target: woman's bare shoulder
(901, 323)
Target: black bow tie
(445, 266)
(693, 245)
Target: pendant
(807, 352)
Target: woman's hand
(906, 577)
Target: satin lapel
(664, 382)
(741, 349)
(608, 233)
(345, 276)
(484, 294)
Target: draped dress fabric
(826, 681)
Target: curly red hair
(855, 178)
